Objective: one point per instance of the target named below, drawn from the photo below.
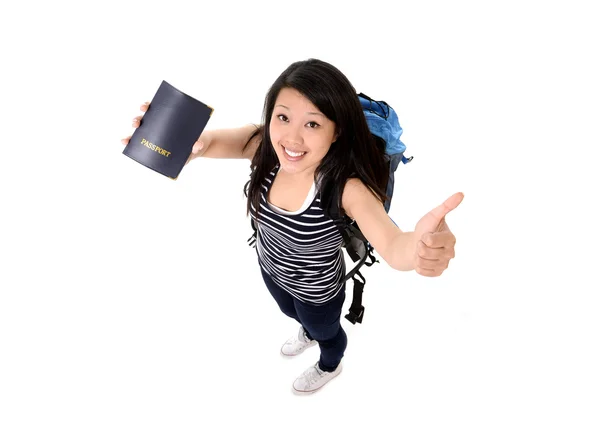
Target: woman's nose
(293, 135)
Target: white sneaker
(313, 379)
(297, 344)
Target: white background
(129, 298)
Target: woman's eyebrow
(308, 113)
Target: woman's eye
(311, 124)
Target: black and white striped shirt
(301, 250)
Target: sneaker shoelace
(314, 374)
(303, 340)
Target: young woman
(314, 159)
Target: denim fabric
(321, 322)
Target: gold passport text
(155, 148)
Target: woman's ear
(335, 137)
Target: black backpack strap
(252, 239)
(357, 310)
(347, 234)
(371, 257)
(348, 230)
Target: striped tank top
(301, 250)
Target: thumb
(432, 220)
(197, 146)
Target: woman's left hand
(435, 241)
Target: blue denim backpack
(384, 124)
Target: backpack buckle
(355, 315)
(252, 240)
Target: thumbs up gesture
(435, 241)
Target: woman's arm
(226, 143)
(396, 247)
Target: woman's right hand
(138, 120)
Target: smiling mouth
(293, 154)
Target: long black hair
(356, 152)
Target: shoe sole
(301, 393)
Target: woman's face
(300, 134)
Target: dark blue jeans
(321, 322)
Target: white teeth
(295, 154)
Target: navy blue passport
(163, 142)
